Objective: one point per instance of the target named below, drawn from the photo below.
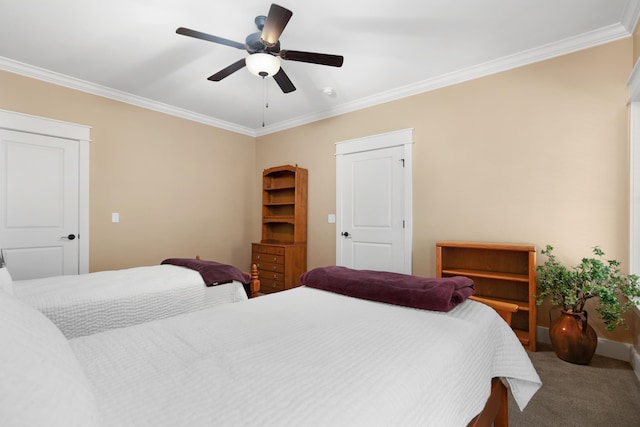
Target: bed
(306, 356)
(89, 303)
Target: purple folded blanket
(441, 294)
(213, 273)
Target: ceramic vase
(572, 338)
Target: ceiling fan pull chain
(266, 91)
(265, 97)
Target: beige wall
(537, 154)
(181, 188)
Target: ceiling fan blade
(313, 58)
(209, 37)
(274, 26)
(227, 71)
(283, 81)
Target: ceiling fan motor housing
(255, 44)
(260, 21)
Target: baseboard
(613, 349)
(635, 362)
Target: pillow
(41, 381)
(6, 283)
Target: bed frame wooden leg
(255, 282)
(502, 417)
(496, 411)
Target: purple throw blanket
(213, 273)
(441, 294)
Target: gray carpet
(604, 393)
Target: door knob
(70, 237)
(345, 233)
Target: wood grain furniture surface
(502, 272)
(279, 266)
(281, 255)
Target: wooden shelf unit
(281, 255)
(284, 205)
(500, 271)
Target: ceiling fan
(264, 49)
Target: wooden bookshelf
(501, 272)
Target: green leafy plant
(593, 277)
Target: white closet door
(373, 206)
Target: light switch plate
(332, 218)
(115, 217)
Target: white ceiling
(128, 50)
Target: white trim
(634, 173)
(607, 348)
(74, 132)
(83, 214)
(552, 50)
(635, 362)
(633, 6)
(12, 120)
(106, 92)
(630, 14)
(404, 138)
(634, 186)
(375, 142)
(634, 83)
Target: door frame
(21, 122)
(404, 138)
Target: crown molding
(38, 73)
(634, 83)
(552, 50)
(630, 13)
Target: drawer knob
(258, 257)
(275, 259)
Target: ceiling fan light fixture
(263, 64)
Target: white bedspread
(305, 357)
(88, 303)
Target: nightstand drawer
(266, 249)
(268, 266)
(261, 258)
(279, 265)
(270, 285)
(270, 275)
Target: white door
(373, 218)
(39, 196)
